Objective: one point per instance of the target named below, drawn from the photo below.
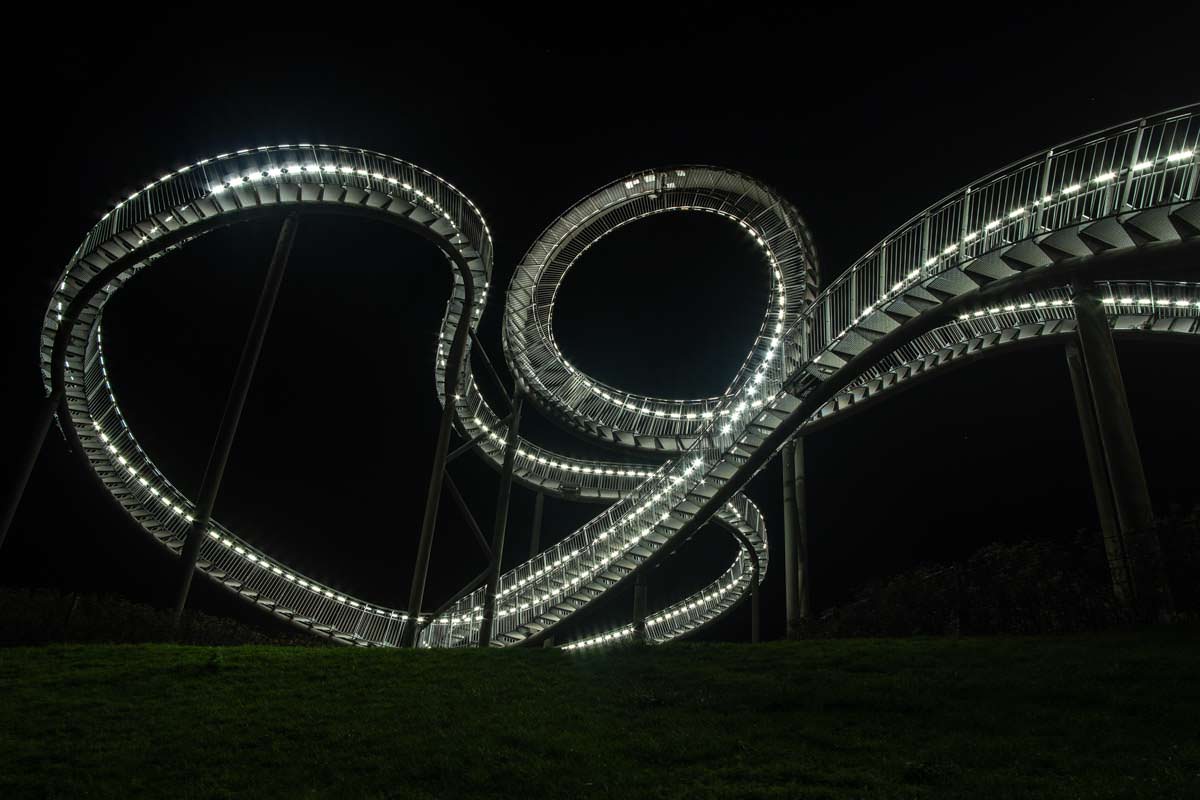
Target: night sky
(860, 119)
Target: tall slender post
(755, 577)
(1114, 542)
(214, 470)
(639, 607)
(416, 594)
(790, 552)
(536, 540)
(754, 612)
(1131, 496)
(501, 526)
(454, 364)
(40, 429)
(803, 572)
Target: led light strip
(574, 571)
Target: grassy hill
(1100, 715)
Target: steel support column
(639, 607)
(536, 540)
(803, 573)
(501, 526)
(40, 429)
(790, 553)
(214, 470)
(754, 611)
(416, 594)
(1114, 542)
(1131, 497)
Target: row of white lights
(178, 505)
(278, 171)
(1064, 193)
(281, 173)
(596, 567)
(539, 602)
(673, 409)
(677, 615)
(607, 558)
(1161, 302)
(254, 558)
(1067, 191)
(1017, 213)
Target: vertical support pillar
(454, 363)
(40, 429)
(1131, 496)
(754, 609)
(639, 607)
(804, 607)
(1114, 543)
(536, 540)
(214, 470)
(501, 525)
(416, 594)
(790, 552)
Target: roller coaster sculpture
(983, 269)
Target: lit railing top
(147, 214)
(1166, 144)
(531, 348)
(1172, 139)
(1126, 167)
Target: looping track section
(978, 271)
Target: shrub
(1027, 587)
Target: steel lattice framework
(981, 270)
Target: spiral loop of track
(907, 308)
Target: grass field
(1107, 715)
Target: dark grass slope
(1099, 715)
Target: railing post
(964, 226)
(214, 470)
(1127, 188)
(498, 531)
(1041, 198)
(1131, 497)
(924, 245)
(1194, 182)
(884, 284)
(40, 428)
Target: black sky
(860, 116)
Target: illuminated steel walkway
(980, 271)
